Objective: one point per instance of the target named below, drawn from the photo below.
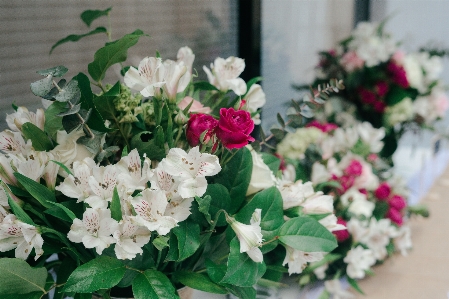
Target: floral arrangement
(368, 199)
(148, 185)
(385, 85)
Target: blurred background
(279, 39)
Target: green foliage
(18, 277)
(77, 37)
(88, 16)
(153, 284)
(38, 138)
(199, 282)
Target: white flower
(191, 168)
(102, 183)
(294, 145)
(297, 260)
(337, 291)
(16, 120)
(371, 136)
(432, 106)
(95, 230)
(320, 173)
(401, 112)
(320, 271)
(13, 143)
(21, 236)
(130, 239)
(148, 78)
(68, 150)
(318, 204)
(359, 260)
(361, 206)
(294, 194)
(224, 74)
(150, 206)
(255, 99)
(330, 222)
(249, 235)
(77, 185)
(131, 175)
(6, 171)
(185, 54)
(173, 73)
(261, 176)
(403, 241)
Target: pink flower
(398, 57)
(351, 61)
(397, 202)
(234, 128)
(197, 124)
(381, 88)
(380, 106)
(341, 235)
(383, 191)
(327, 127)
(346, 182)
(363, 191)
(398, 74)
(367, 96)
(372, 157)
(354, 168)
(395, 216)
(441, 104)
(196, 106)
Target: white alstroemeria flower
(13, 143)
(351, 195)
(148, 78)
(132, 176)
(330, 222)
(360, 206)
(320, 271)
(6, 171)
(16, 120)
(403, 240)
(337, 291)
(371, 136)
(255, 98)
(359, 260)
(77, 185)
(249, 235)
(68, 150)
(358, 229)
(95, 230)
(185, 54)
(294, 193)
(191, 168)
(174, 71)
(261, 176)
(377, 237)
(297, 260)
(130, 239)
(102, 183)
(318, 204)
(150, 208)
(320, 173)
(21, 236)
(224, 74)
(32, 168)
(178, 207)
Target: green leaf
(68, 92)
(271, 161)
(141, 262)
(199, 282)
(188, 235)
(56, 211)
(307, 234)
(38, 138)
(18, 211)
(242, 270)
(251, 82)
(270, 201)
(105, 102)
(280, 120)
(278, 133)
(18, 277)
(53, 123)
(65, 269)
(204, 205)
(355, 285)
(112, 53)
(88, 16)
(57, 71)
(116, 207)
(42, 87)
(38, 191)
(102, 272)
(242, 292)
(144, 144)
(77, 37)
(204, 85)
(153, 284)
(221, 200)
(161, 242)
(235, 176)
(66, 169)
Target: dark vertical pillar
(249, 41)
(361, 11)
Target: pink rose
(398, 74)
(341, 235)
(196, 106)
(367, 96)
(381, 88)
(354, 168)
(395, 216)
(197, 124)
(234, 128)
(397, 202)
(383, 191)
(351, 61)
(327, 127)
(380, 106)
(346, 182)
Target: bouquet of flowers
(367, 198)
(144, 186)
(384, 85)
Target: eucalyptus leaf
(70, 92)
(103, 272)
(77, 37)
(42, 87)
(112, 53)
(57, 71)
(70, 111)
(19, 278)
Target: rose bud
(395, 216)
(198, 124)
(397, 202)
(383, 191)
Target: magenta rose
(395, 216)
(354, 168)
(397, 202)
(383, 191)
(234, 128)
(341, 235)
(197, 124)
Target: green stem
(179, 134)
